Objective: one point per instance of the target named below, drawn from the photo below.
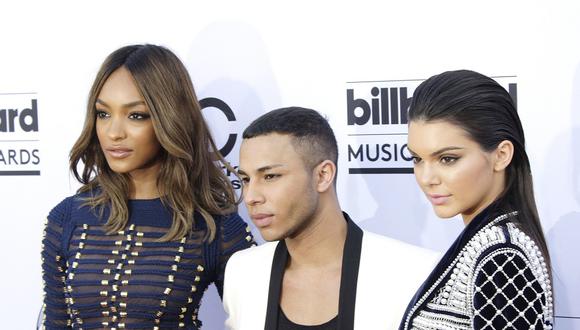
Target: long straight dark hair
(486, 111)
(190, 179)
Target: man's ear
(503, 155)
(325, 173)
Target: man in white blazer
(318, 268)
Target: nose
(252, 194)
(426, 175)
(116, 128)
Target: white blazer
(390, 272)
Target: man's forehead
(265, 152)
(259, 169)
(267, 146)
(269, 139)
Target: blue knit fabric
(129, 280)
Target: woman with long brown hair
(155, 220)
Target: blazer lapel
(349, 275)
(276, 276)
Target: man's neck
(321, 244)
(311, 283)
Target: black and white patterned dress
(493, 277)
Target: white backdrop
(257, 56)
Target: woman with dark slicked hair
(155, 219)
(467, 144)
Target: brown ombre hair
(190, 179)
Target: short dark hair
(313, 137)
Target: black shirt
(285, 324)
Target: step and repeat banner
(358, 64)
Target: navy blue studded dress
(129, 280)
